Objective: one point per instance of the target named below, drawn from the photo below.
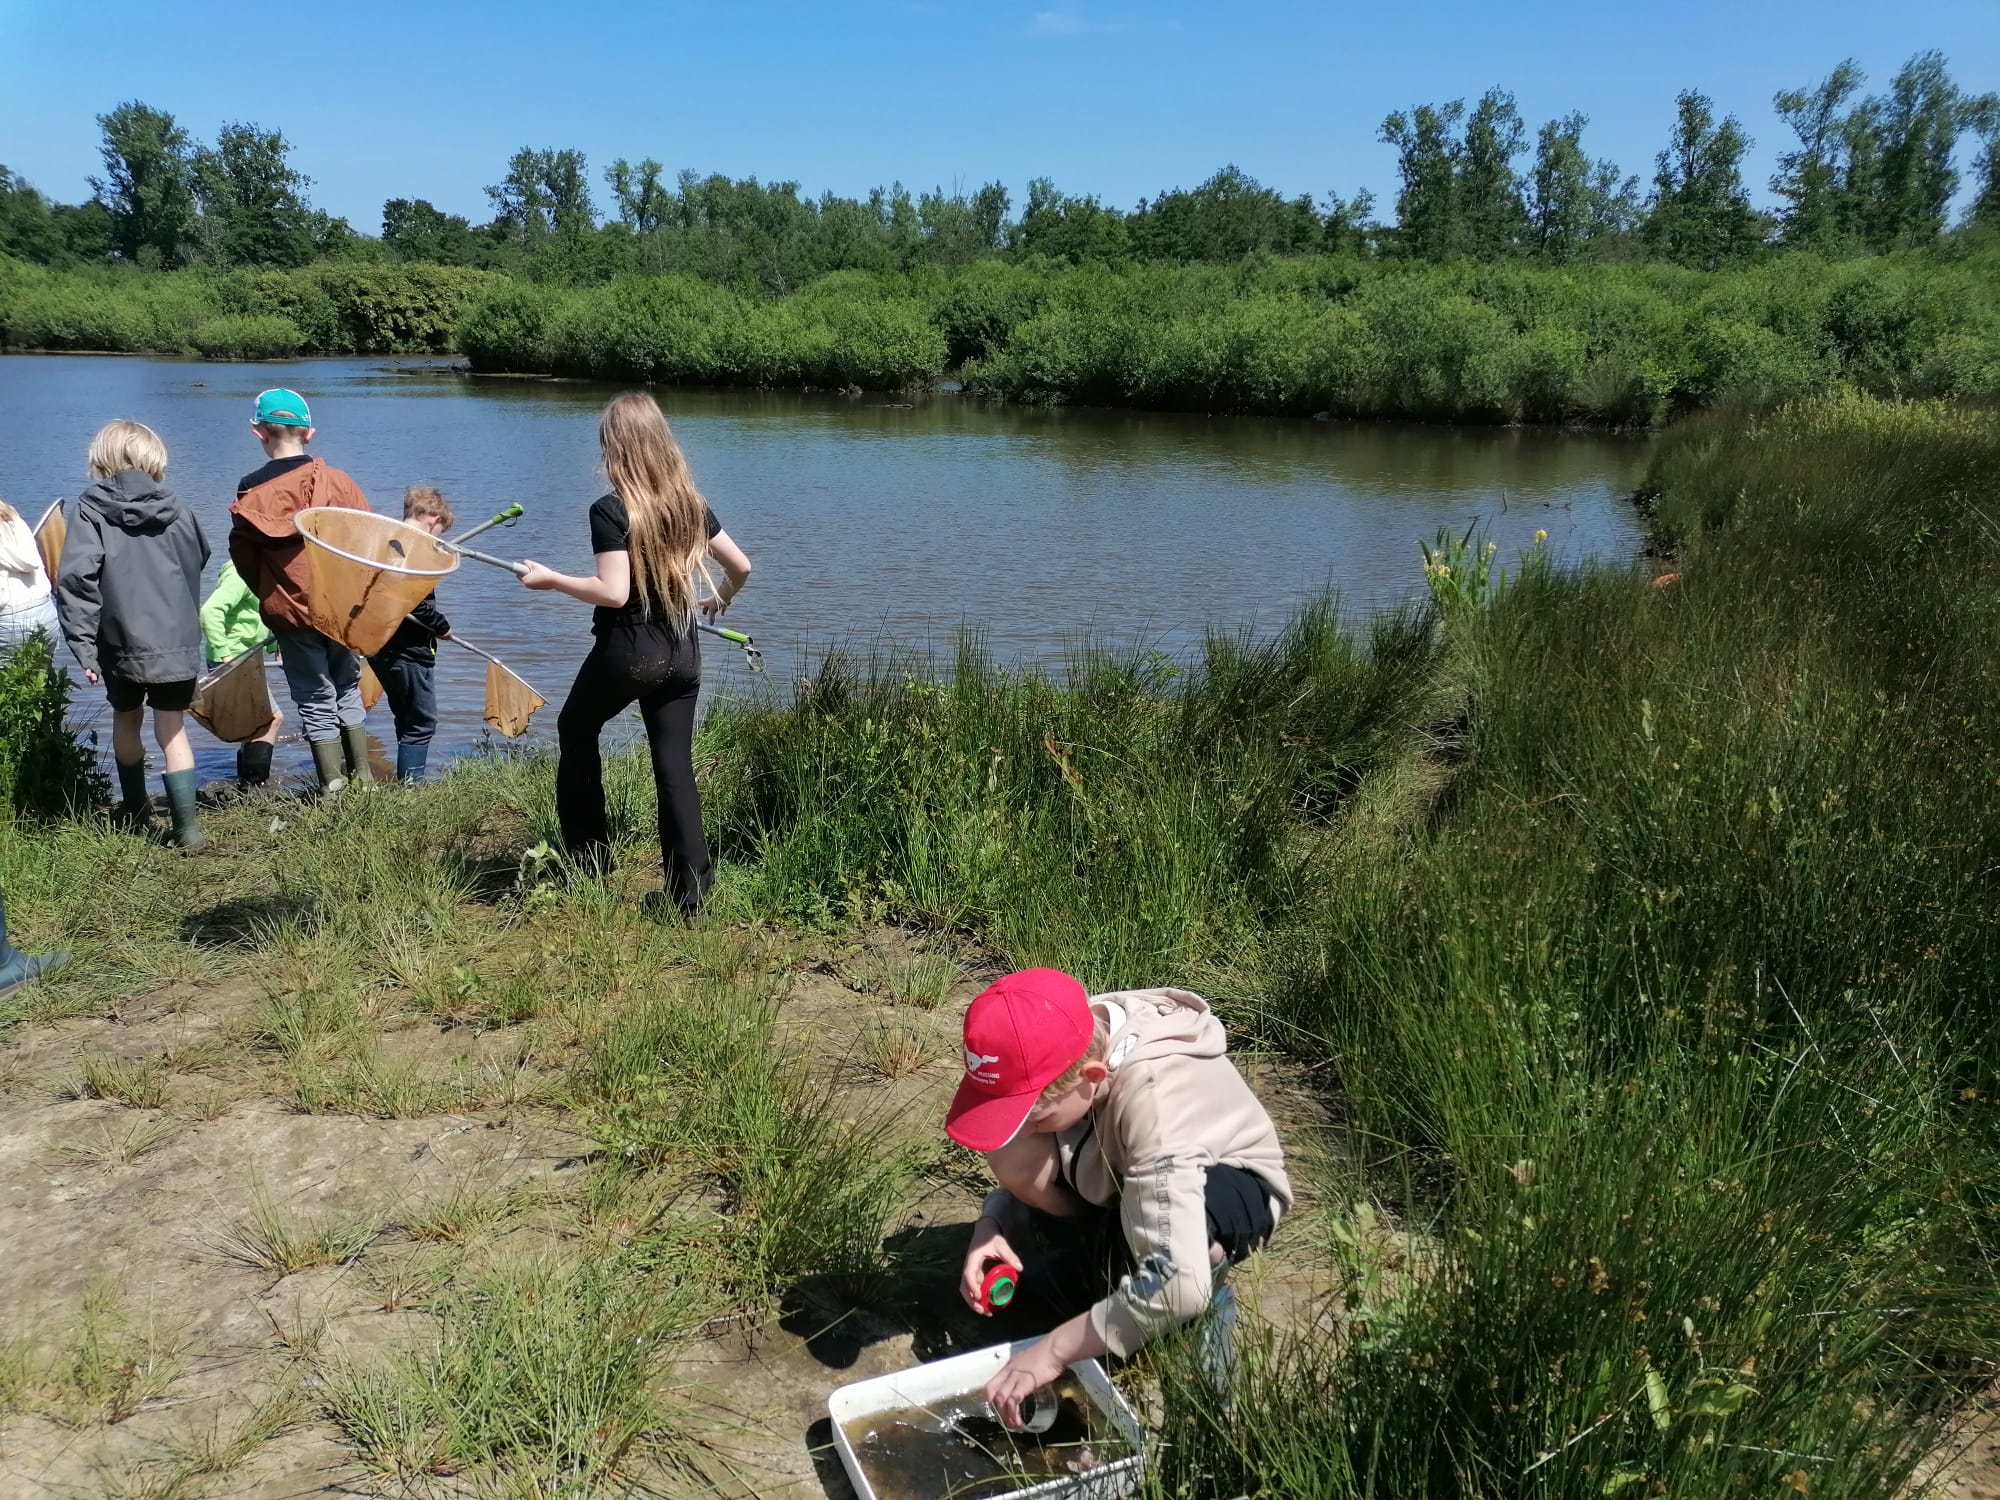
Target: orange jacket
(264, 540)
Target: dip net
(50, 534)
(233, 702)
(510, 702)
(367, 572)
(371, 688)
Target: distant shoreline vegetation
(1517, 283)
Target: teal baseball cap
(279, 407)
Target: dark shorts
(166, 697)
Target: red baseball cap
(1021, 1035)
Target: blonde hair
(123, 445)
(665, 515)
(1067, 1081)
(422, 503)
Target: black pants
(409, 682)
(660, 670)
(1075, 1259)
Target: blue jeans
(325, 680)
(409, 682)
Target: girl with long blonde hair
(654, 537)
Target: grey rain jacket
(129, 585)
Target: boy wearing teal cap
(264, 543)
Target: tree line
(1867, 172)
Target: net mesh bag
(371, 688)
(50, 534)
(367, 572)
(510, 702)
(234, 701)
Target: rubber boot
(253, 765)
(326, 762)
(180, 800)
(411, 760)
(16, 967)
(354, 752)
(135, 808)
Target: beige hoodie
(1172, 1105)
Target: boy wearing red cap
(1127, 1100)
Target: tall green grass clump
(1133, 819)
(1666, 1038)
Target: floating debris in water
(962, 1451)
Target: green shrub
(265, 337)
(44, 770)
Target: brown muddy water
(872, 522)
(921, 1453)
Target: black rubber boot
(180, 801)
(354, 752)
(135, 803)
(411, 760)
(326, 762)
(253, 765)
(16, 967)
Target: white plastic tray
(965, 1375)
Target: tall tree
(1560, 190)
(253, 206)
(1065, 227)
(148, 185)
(27, 226)
(1983, 115)
(1813, 179)
(1700, 214)
(1617, 207)
(643, 200)
(1428, 223)
(1489, 189)
(1917, 125)
(545, 193)
(416, 229)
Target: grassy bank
(1642, 933)
(1636, 938)
(1622, 344)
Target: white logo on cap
(975, 1066)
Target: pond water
(870, 521)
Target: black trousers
(409, 682)
(660, 670)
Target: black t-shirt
(270, 471)
(610, 531)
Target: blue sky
(421, 99)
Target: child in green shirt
(232, 624)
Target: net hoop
(422, 536)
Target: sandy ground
(202, 1340)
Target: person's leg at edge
(669, 716)
(304, 662)
(128, 755)
(16, 967)
(343, 670)
(170, 731)
(601, 691)
(253, 757)
(410, 685)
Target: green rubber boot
(354, 752)
(135, 807)
(180, 799)
(326, 761)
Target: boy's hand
(988, 1245)
(1027, 1372)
